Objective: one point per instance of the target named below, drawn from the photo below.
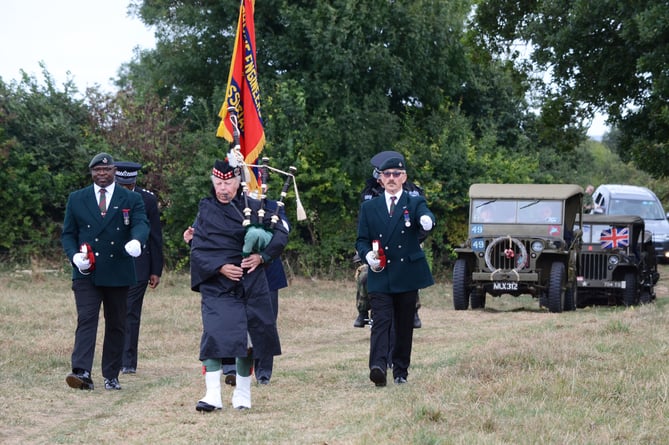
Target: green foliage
(609, 56)
(44, 152)
(340, 81)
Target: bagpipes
(258, 236)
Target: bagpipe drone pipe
(258, 235)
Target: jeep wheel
(645, 297)
(570, 297)
(461, 289)
(543, 299)
(630, 291)
(555, 294)
(478, 299)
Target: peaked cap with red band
(223, 170)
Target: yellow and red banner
(243, 91)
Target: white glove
(81, 261)
(134, 248)
(426, 223)
(372, 260)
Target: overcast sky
(89, 38)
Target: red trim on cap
(219, 174)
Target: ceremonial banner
(243, 91)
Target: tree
(341, 80)
(608, 55)
(44, 151)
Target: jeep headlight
(613, 260)
(537, 246)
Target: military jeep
(617, 263)
(521, 241)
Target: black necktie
(392, 205)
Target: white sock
(213, 395)
(241, 396)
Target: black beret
(101, 158)
(383, 156)
(393, 163)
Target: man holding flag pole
(243, 92)
(238, 314)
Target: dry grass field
(512, 374)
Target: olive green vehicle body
(521, 241)
(617, 264)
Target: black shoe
(263, 381)
(416, 321)
(112, 384)
(231, 379)
(361, 321)
(128, 370)
(80, 380)
(378, 376)
(205, 407)
(400, 380)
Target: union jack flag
(614, 237)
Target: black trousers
(264, 365)
(133, 319)
(88, 299)
(393, 316)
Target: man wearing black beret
(373, 188)
(389, 242)
(103, 231)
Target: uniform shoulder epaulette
(147, 191)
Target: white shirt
(109, 192)
(389, 201)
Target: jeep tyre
(555, 294)
(570, 296)
(630, 291)
(461, 290)
(477, 298)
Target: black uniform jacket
(125, 220)
(151, 261)
(406, 266)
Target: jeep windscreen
(614, 238)
(540, 211)
(505, 211)
(493, 211)
(592, 234)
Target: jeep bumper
(506, 275)
(600, 284)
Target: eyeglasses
(102, 169)
(393, 174)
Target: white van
(615, 199)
